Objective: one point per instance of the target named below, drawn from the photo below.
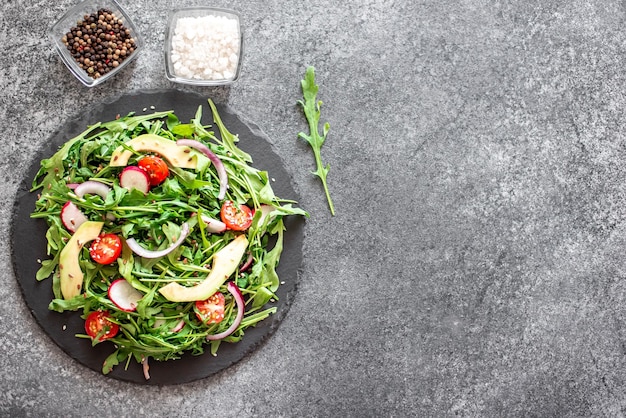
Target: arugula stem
(322, 175)
(311, 108)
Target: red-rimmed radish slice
(219, 166)
(234, 290)
(133, 177)
(72, 217)
(213, 225)
(142, 252)
(176, 328)
(124, 295)
(92, 187)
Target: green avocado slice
(178, 156)
(225, 262)
(69, 266)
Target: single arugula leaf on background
(311, 108)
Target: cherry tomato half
(105, 249)
(155, 167)
(98, 323)
(236, 218)
(211, 311)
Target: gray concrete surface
(475, 266)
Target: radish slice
(133, 177)
(72, 217)
(142, 252)
(213, 225)
(176, 328)
(92, 187)
(124, 295)
(219, 166)
(234, 290)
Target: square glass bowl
(109, 56)
(203, 46)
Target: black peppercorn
(99, 42)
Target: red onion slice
(219, 166)
(145, 367)
(92, 187)
(142, 252)
(234, 290)
(179, 326)
(265, 212)
(246, 265)
(213, 225)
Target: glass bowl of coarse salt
(203, 46)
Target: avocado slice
(69, 267)
(225, 262)
(176, 155)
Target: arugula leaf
(185, 130)
(60, 305)
(111, 361)
(311, 107)
(229, 140)
(53, 168)
(131, 122)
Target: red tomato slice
(211, 311)
(105, 249)
(236, 218)
(155, 167)
(98, 323)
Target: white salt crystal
(206, 47)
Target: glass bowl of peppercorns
(96, 39)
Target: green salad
(162, 234)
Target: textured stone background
(475, 266)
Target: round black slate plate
(29, 244)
